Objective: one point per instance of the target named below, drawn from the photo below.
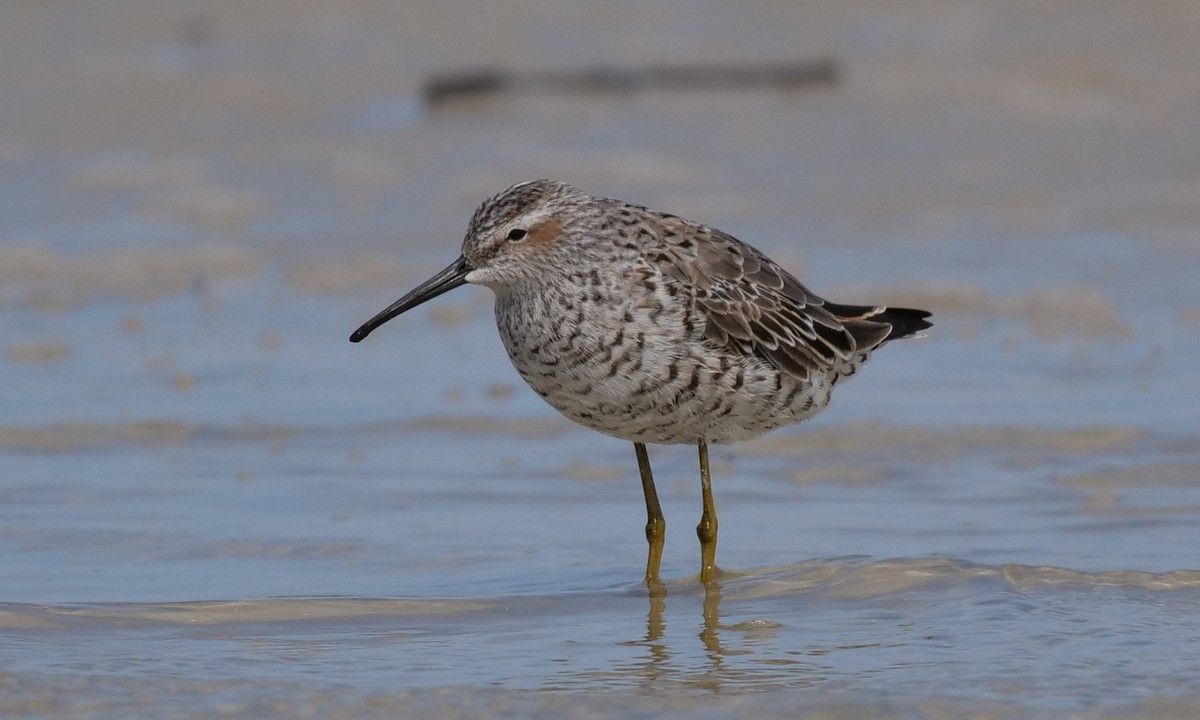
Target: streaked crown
(526, 218)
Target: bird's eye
(516, 235)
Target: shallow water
(211, 504)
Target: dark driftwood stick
(791, 75)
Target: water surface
(211, 504)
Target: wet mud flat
(818, 638)
(860, 561)
(211, 504)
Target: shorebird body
(655, 329)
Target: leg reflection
(710, 634)
(659, 662)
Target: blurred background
(211, 502)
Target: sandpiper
(655, 329)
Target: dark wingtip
(904, 321)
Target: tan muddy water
(213, 505)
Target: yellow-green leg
(656, 524)
(707, 529)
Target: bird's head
(515, 236)
(521, 233)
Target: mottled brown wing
(752, 304)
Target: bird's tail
(904, 322)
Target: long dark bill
(444, 281)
